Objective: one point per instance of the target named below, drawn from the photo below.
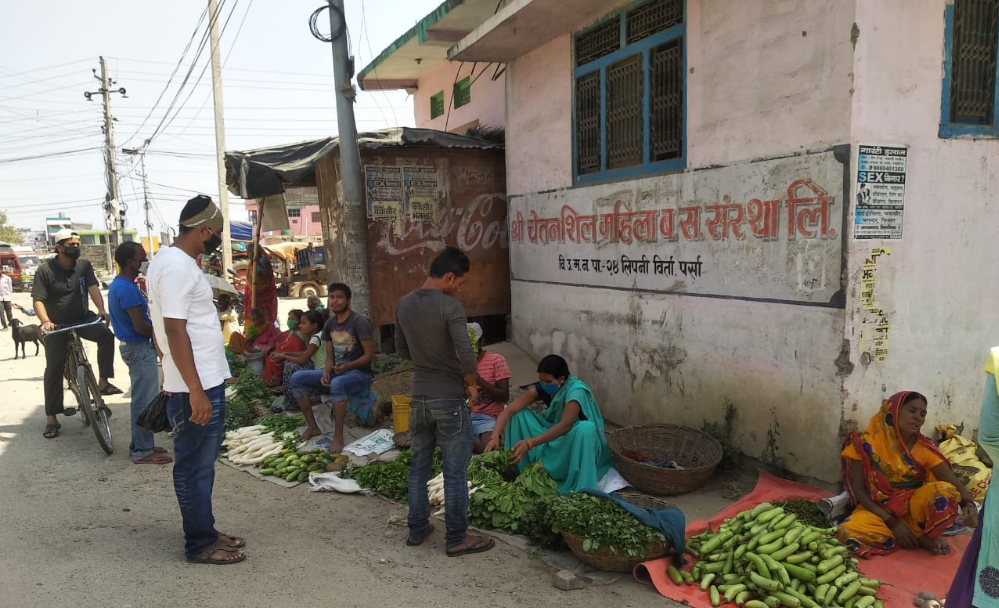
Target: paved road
(83, 529)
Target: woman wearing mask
(259, 337)
(568, 436)
(290, 341)
(313, 356)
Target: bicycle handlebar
(75, 326)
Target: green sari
(578, 459)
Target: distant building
(88, 236)
(302, 204)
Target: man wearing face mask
(60, 291)
(187, 330)
(130, 319)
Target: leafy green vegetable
(601, 522)
(471, 337)
(240, 411)
(280, 424)
(388, 478)
(512, 506)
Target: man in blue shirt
(130, 319)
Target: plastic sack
(961, 452)
(154, 416)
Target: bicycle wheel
(94, 408)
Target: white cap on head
(63, 235)
(476, 330)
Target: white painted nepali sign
(769, 230)
(881, 173)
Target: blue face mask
(551, 389)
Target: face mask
(144, 267)
(212, 243)
(551, 389)
(72, 253)
(292, 324)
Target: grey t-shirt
(430, 330)
(346, 338)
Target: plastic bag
(970, 471)
(154, 416)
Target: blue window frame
(629, 102)
(970, 101)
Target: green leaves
(601, 523)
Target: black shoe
(69, 411)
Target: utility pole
(213, 21)
(112, 208)
(145, 190)
(354, 208)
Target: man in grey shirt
(430, 330)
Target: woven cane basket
(697, 452)
(603, 559)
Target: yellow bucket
(400, 413)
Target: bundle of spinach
(601, 522)
(239, 411)
(514, 506)
(387, 478)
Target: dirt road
(84, 529)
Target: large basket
(697, 452)
(603, 559)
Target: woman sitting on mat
(904, 489)
(259, 336)
(313, 356)
(568, 437)
(290, 341)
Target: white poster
(881, 172)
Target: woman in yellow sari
(904, 489)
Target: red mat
(903, 574)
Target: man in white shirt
(187, 331)
(6, 291)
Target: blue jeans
(195, 449)
(342, 386)
(447, 423)
(140, 357)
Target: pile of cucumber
(766, 558)
(290, 465)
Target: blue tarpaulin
(241, 231)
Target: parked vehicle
(10, 259)
(306, 276)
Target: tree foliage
(8, 233)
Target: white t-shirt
(179, 290)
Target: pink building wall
(303, 211)
(487, 105)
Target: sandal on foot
(205, 557)
(154, 458)
(483, 543)
(415, 541)
(111, 389)
(240, 541)
(51, 431)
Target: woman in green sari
(568, 436)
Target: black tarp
(268, 171)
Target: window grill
(652, 18)
(437, 105)
(598, 42)
(973, 75)
(462, 92)
(588, 123)
(294, 213)
(666, 101)
(624, 113)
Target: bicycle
(83, 385)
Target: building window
(316, 217)
(628, 111)
(463, 92)
(970, 98)
(437, 105)
(253, 216)
(294, 213)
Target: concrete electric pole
(354, 207)
(213, 21)
(145, 192)
(112, 206)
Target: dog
(24, 334)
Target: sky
(277, 83)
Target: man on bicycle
(187, 330)
(62, 286)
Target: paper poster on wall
(881, 173)
(384, 190)
(422, 187)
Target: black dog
(24, 334)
